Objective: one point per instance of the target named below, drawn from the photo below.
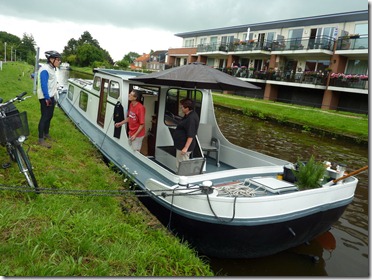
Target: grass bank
(70, 235)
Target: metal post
(36, 69)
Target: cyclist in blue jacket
(47, 90)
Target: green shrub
(309, 174)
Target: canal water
(344, 250)
(341, 252)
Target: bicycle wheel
(25, 166)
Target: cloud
(121, 26)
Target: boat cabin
(97, 99)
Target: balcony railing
(353, 42)
(307, 77)
(321, 42)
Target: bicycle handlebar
(19, 97)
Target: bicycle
(13, 132)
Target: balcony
(307, 77)
(321, 43)
(304, 44)
(338, 81)
(349, 81)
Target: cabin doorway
(102, 102)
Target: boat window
(70, 93)
(114, 90)
(97, 83)
(173, 111)
(83, 100)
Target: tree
(86, 51)
(131, 56)
(87, 54)
(26, 49)
(123, 63)
(86, 38)
(23, 49)
(71, 48)
(11, 41)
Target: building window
(189, 43)
(203, 41)
(316, 65)
(227, 39)
(210, 62)
(213, 40)
(361, 29)
(295, 33)
(357, 67)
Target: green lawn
(68, 235)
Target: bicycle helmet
(52, 54)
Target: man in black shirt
(185, 132)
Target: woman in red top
(136, 120)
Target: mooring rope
(121, 192)
(238, 190)
(196, 190)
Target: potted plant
(310, 174)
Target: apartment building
(319, 61)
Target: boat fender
(206, 187)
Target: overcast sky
(122, 26)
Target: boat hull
(225, 240)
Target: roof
(159, 52)
(305, 21)
(145, 57)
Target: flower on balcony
(349, 77)
(337, 76)
(243, 43)
(364, 77)
(312, 73)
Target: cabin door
(102, 102)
